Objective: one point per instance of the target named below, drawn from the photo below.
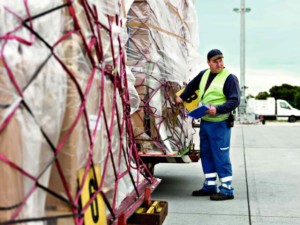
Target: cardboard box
(75, 150)
(11, 188)
(73, 154)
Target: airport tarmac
(266, 179)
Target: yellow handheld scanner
(192, 102)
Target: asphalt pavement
(266, 179)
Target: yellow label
(95, 214)
(192, 102)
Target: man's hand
(178, 100)
(212, 111)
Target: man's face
(216, 65)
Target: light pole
(242, 11)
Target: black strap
(208, 83)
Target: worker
(219, 90)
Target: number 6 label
(95, 214)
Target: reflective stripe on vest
(214, 94)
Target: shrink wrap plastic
(162, 52)
(21, 141)
(58, 104)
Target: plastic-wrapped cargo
(65, 129)
(32, 104)
(162, 52)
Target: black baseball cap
(214, 54)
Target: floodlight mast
(242, 10)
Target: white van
(271, 109)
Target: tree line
(287, 92)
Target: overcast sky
(272, 39)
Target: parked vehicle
(272, 109)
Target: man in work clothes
(219, 90)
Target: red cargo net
(112, 114)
